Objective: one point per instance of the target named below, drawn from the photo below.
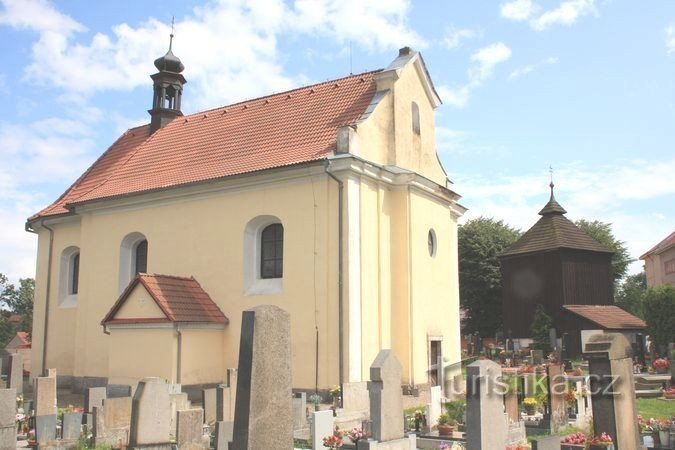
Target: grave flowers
(530, 405)
(664, 431)
(661, 365)
(334, 441)
(574, 441)
(669, 393)
(601, 442)
(356, 434)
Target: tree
(631, 293)
(602, 232)
(19, 301)
(540, 330)
(480, 285)
(659, 309)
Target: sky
(586, 87)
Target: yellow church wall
(202, 352)
(139, 305)
(141, 352)
(434, 293)
(204, 237)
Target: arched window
(431, 242)
(415, 118)
(141, 257)
(263, 256)
(133, 258)
(272, 251)
(69, 277)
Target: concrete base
(407, 443)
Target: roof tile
(609, 317)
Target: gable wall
(139, 305)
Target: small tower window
(272, 251)
(415, 118)
(75, 274)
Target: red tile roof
(282, 129)
(180, 299)
(609, 317)
(662, 246)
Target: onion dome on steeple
(552, 207)
(167, 89)
(169, 62)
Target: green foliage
(602, 232)
(480, 287)
(455, 410)
(659, 313)
(19, 301)
(631, 293)
(541, 324)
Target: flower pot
(445, 430)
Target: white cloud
(454, 37)
(670, 39)
(519, 10)
(529, 68)
(566, 13)
(607, 193)
(484, 62)
(37, 15)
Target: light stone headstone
(189, 434)
(224, 432)
(71, 427)
(15, 379)
(386, 398)
(177, 403)
(210, 405)
(610, 363)
(8, 419)
(45, 396)
(434, 405)
(150, 418)
(224, 405)
(355, 396)
(323, 424)
(299, 410)
(94, 397)
(263, 417)
(486, 423)
(556, 397)
(112, 421)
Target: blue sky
(585, 86)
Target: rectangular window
(669, 266)
(272, 254)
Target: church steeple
(552, 207)
(168, 89)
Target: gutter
(49, 282)
(179, 352)
(340, 283)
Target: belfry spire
(168, 88)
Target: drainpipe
(179, 352)
(340, 283)
(49, 283)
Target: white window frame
(66, 298)
(254, 284)
(128, 258)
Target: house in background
(559, 266)
(660, 262)
(20, 343)
(328, 201)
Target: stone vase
(445, 430)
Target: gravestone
(546, 443)
(112, 421)
(150, 418)
(486, 423)
(610, 363)
(556, 397)
(15, 379)
(263, 417)
(45, 409)
(434, 405)
(537, 356)
(7, 419)
(299, 410)
(322, 426)
(386, 399)
(94, 397)
(224, 404)
(71, 427)
(178, 402)
(223, 434)
(511, 405)
(189, 434)
(355, 396)
(209, 404)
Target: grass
(653, 407)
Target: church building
(328, 201)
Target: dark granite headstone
(45, 428)
(71, 428)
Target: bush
(541, 324)
(659, 309)
(455, 410)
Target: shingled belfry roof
(181, 299)
(278, 130)
(552, 231)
